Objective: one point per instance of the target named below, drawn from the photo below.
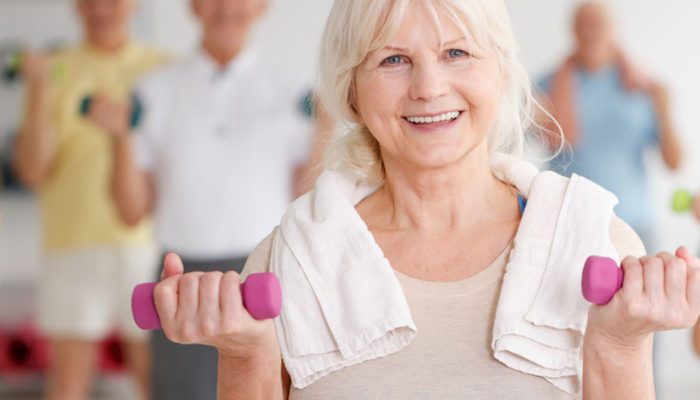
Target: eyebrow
(444, 44)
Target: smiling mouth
(432, 119)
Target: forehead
(436, 22)
(592, 12)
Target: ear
(194, 7)
(353, 103)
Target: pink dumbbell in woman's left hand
(601, 279)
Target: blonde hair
(355, 28)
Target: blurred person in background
(216, 160)
(610, 113)
(92, 259)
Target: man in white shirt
(214, 158)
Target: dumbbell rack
(25, 353)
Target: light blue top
(615, 126)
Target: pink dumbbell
(601, 279)
(261, 293)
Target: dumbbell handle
(261, 294)
(601, 279)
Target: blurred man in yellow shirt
(92, 259)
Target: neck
(461, 196)
(222, 54)
(108, 44)
(594, 62)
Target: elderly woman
(414, 269)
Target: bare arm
(261, 378)
(617, 372)
(670, 145)
(660, 292)
(250, 362)
(132, 189)
(36, 147)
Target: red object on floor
(22, 350)
(111, 356)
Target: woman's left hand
(658, 293)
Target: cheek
(378, 99)
(485, 96)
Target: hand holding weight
(261, 294)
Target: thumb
(172, 265)
(684, 253)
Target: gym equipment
(682, 201)
(111, 357)
(601, 279)
(11, 64)
(136, 109)
(22, 350)
(261, 293)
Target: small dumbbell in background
(11, 58)
(682, 201)
(136, 109)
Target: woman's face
(428, 106)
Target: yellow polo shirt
(76, 203)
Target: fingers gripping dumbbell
(261, 294)
(11, 59)
(136, 109)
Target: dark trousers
(187, 372)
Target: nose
(428, 81)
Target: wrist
(38, 79)
(121, 139)
(262, 360)
(608, 344)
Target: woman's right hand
(207, 308)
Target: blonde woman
(413, 270)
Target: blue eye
(456, 53)
(393, 60)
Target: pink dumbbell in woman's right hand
(601, 279)
(261, 294)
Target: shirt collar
(126, 52)
(241, 62)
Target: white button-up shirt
(222, 145)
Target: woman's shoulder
(625, 239)
(259, 258)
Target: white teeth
(435, 118)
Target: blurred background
(661, 36)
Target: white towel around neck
(342, 303)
